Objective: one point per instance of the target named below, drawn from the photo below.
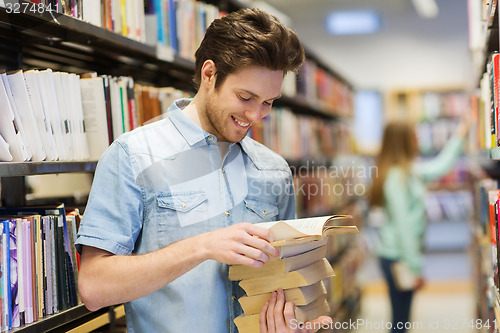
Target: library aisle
(446, 304)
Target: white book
(80, 124)
(116, 109)
(140, 21)
(42, 115)
(26, 114)
(26, 149)
(130, 16)
(64, 114)
(5, 155)
(116, 15)
(8, 129)
(71, 113)
(50, 103)
(92, 12)
(94, 112)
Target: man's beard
(217, 122)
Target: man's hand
(239, 244)
(277, 316)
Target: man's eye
(268, 103)
(244, 99)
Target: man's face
(241, 101)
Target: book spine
(27, 261)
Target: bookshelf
(484, 40)
(65, 43)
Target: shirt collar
(191, 132)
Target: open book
(289, 232)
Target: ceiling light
(426, 8)
(353, 22)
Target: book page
(296, 228)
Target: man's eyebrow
(257, 96)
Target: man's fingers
(279, 320)
(271, 327)
(251, 252)
(262, 318)
(289, 312)
(262, 245)
(263, 233)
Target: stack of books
(299, 270)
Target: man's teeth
(242, 124)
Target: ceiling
(409, 52)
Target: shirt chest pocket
(259, 211)
(182, 208)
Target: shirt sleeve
(113, 216)
(441, 164)
(405, 225)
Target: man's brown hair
(248, 37)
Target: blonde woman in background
(399, 189)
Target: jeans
(400, 300)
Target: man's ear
(208, 73)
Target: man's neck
(191, 110)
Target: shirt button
(234, 297)
(183, 205)
(265, 212)
(210, 138)
(223, 170)
(227, 213)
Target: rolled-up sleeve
(113, 216)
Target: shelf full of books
(39, 267)
(485, 249)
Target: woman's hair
(399, 148)
(248, 37)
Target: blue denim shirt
(167, 181)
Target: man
(163, 217)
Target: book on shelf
(25, 111)
(494, 71)
(5, 315)
(45, 79)
(95, 115)
(42, 116)
(10, 132)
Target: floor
(445, 304)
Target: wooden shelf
(57, 320)
(14, 169)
